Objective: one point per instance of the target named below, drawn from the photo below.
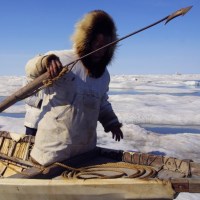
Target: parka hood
(86, 30)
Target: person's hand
(117, 133)
(52, 64)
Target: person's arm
(34, 101)
(109, 120)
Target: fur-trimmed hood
(94, 23)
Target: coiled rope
(109, 171)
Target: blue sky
(34, 26)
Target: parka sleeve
(34, 100)
(34, 67)
(107, 116)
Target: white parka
(33, 108)
(70, 112)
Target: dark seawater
(13, 115)
(171, 129)
(135, 92)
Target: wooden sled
(98, 174)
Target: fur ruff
(94, 23)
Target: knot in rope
(49, 82)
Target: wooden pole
(23, 92)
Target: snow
(160, 113)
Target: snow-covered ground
(160, 114)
